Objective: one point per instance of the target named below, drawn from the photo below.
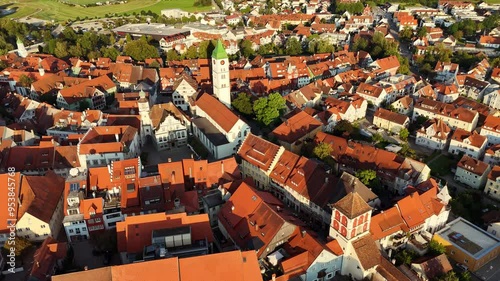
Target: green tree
(322, 151)
(154, 64)
(243, 104)
(343, 126)
(61, 50)
(268, 109)
(403, 134)
(3, 65)
(110, 52)
(21, 244)
(406, 34)
(140, 50)
(360, 45)
(191, 53)
(366, 176)
(246, 48)
(203, 50)
(377, 138)
(421, 32)
(172, 55)
(436, 248)
(406, 257)
(25, 81)
(448, 276)
(69, 34)
(293, 47)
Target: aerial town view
(249, 140)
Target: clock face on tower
(222, 62)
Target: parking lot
(490, 271)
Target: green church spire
(219, 51)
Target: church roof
(219, 51)
(352, 205)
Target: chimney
(222, 166)
(256, 226)
(85, 268)
(274, 277)
(326, 179)
(38, 264)
(169, 160)
(346, 47)
(117, 138)
(173, 177)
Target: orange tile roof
(473, 138)
(386, 223)
(258, 152)
(284, 166)
(253, 219)
(10, 184)
(102, 139)
(40, 195)
(472, 165)
(352, 205)
(412, 210)
(134, 233)
(237, 265)
(46, 257)
(296, 127)
(219, 113)
(391, 116)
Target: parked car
(462, 267)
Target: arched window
(344, 220)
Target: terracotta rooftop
(433, 267)
(386, 223)
(217, 111)
(473, 138)
(352, 205)
(367, 252)
(239, 265)
(472, 165)
(135, 232)
(391, 116)
(40, 195)
(297, 127)
(258, 152)
(494, 173)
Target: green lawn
(53, 10)
(442, 165)
(83, 2)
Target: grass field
(53, 10)
(442, 165)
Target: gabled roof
(45, 258)
(217, 111)
(472, 165)
(367, 252)
(352, 205)
(296, 127)
(258, 152)
(433, 267)
(386, 223)
(391, 116)
(40, 195)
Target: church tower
(351, 218)
(220, 74)
(21, 50)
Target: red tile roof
(352, 205)
(391, 116)
(135, 232)
(10, 184)
(258, 151)
(40, 195)
(296, 127)
(472, 165)
(386, 223)
(217, 111)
